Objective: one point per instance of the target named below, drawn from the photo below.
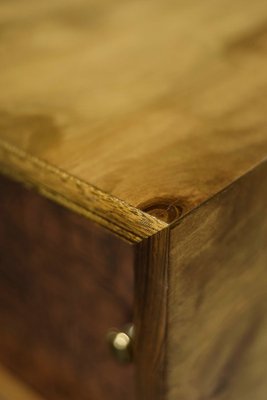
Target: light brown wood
(156, 103)
(12, 389)
(217, 299)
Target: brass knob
(121, 343)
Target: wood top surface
(160, 104)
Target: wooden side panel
(63, 283)
(217, 328)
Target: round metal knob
(121, 344)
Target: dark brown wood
(64, 281)
(217, 300)
(151, 315)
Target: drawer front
(64, 282)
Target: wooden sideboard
(133, 189)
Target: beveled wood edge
(130, 223)
(114, 214)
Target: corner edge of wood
(127, 222)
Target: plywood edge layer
(112, 213)
(11, 389)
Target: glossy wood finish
(156, 103)
(64, 282)
(148, 118)
(217, 324)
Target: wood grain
(137, 115)
(125, 221)
(217, 297)
(64, 282)
(151, 316)
(12, 389)
(155, 103)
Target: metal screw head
(121, 344)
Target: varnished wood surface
(161, 104)
(12, 389)
(64, 282)
(217, 313)
(125, 221)
(151, 315)
(114, 107)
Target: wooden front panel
(63, 283)
(217, 328)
